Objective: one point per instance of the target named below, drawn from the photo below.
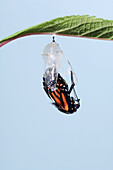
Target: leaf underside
(78, 26)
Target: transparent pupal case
(52, 56)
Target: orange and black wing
(60, 96)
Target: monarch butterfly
(61, 95)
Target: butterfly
(61, 95)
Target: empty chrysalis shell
(52, 56)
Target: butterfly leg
(73, 84)
(72, 87)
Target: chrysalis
(52, 56)
(54, 84)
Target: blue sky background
(33, 134)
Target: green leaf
(78, 26)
